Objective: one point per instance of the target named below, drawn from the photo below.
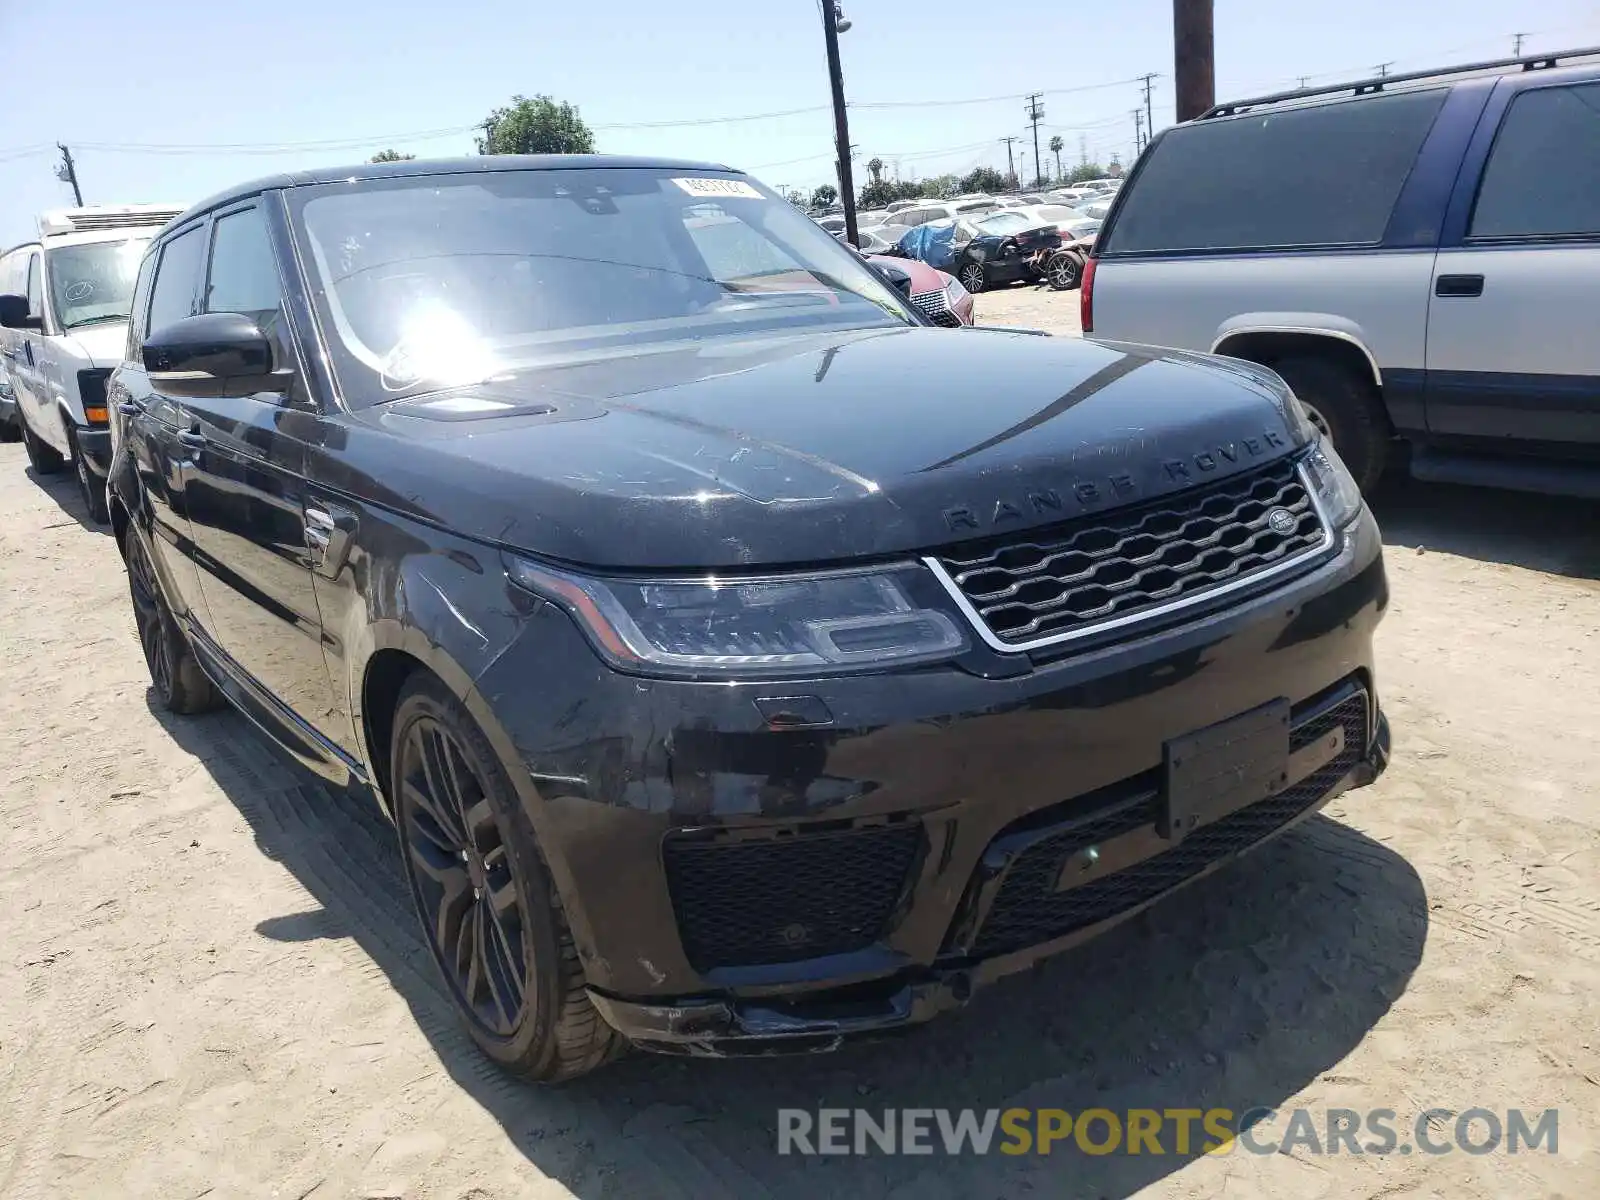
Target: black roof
(440, 166)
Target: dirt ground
(212, 986)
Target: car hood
(103, 345)
(813, 448)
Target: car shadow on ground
(1554, 534)
(1237, 995)
(62, 487)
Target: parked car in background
(937, 296)
(1002, 247)
(10, 426)
(872, 217)
(712, 628)
(834, 225)
(878, 239)
(63, 325)
(1416, 256)
(945, 210)
(1071, 223)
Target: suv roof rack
(1362, 87)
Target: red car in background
(938, 296)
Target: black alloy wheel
(461, 876)
(1064, 271)
(489, 909)
(972, 277)
(180, 684)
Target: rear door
(1514, 317)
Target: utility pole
(1138, 129)
(841, 127)
(1083, 149)
(1516, 44)
(1193, 67)
(1035, 115)
(1149, 115)
(67, 172)
(1011, 165)
(1383, 69)
(1303, 79)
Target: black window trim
(1490, 240)
(199, 225)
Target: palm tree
(1055, 148)
(876, 167)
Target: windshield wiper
(94, 320)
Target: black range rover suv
(745, 663)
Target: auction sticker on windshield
(718, 188)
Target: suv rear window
(1326, 175)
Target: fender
(1311, 324)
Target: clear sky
(171, 100)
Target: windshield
(1060, 212)
(93, 282)
(1005, 222)
(437, 281)
(977, 207)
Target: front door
(1514, 318)
(25, 357)
(244, 494)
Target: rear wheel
(180, 684)
(42, 457)
(1345, 409)
(972, 277)
(489, 910)
(90, 487)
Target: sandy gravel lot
(211, 985)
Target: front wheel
(489, 909)
(972, 277)
(1065, 270)
(44, 458)
(92, 489)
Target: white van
(64, 302)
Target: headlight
(954, 293)
(1335, 488)
(774, 625)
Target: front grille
(1067, 579)
(783, 899)
(936, 307)
(1030, 909)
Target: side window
(35, 287)
(1543, 175)
(172, 296)
(244, 274)
(136, 315)
(1317, 175)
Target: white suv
(1418, 256)
(64, 303)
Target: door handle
(1458, 285)
(128, 408)
(192, 438)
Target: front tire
(972, 277)
(180, 685)
(489, 909)
(91, 489)
(1065, 270)
(1345, 409)
(44, 458)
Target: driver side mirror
(214, 354)
(14, 313)
(899, 280)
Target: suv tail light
(1086, 296)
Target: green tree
(940, 186)
(824, 196)
(795, 197)
(536, 126)
(391, 156)
(875, 167)
(983, 179)
(1088, 170)
(1055, 148)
